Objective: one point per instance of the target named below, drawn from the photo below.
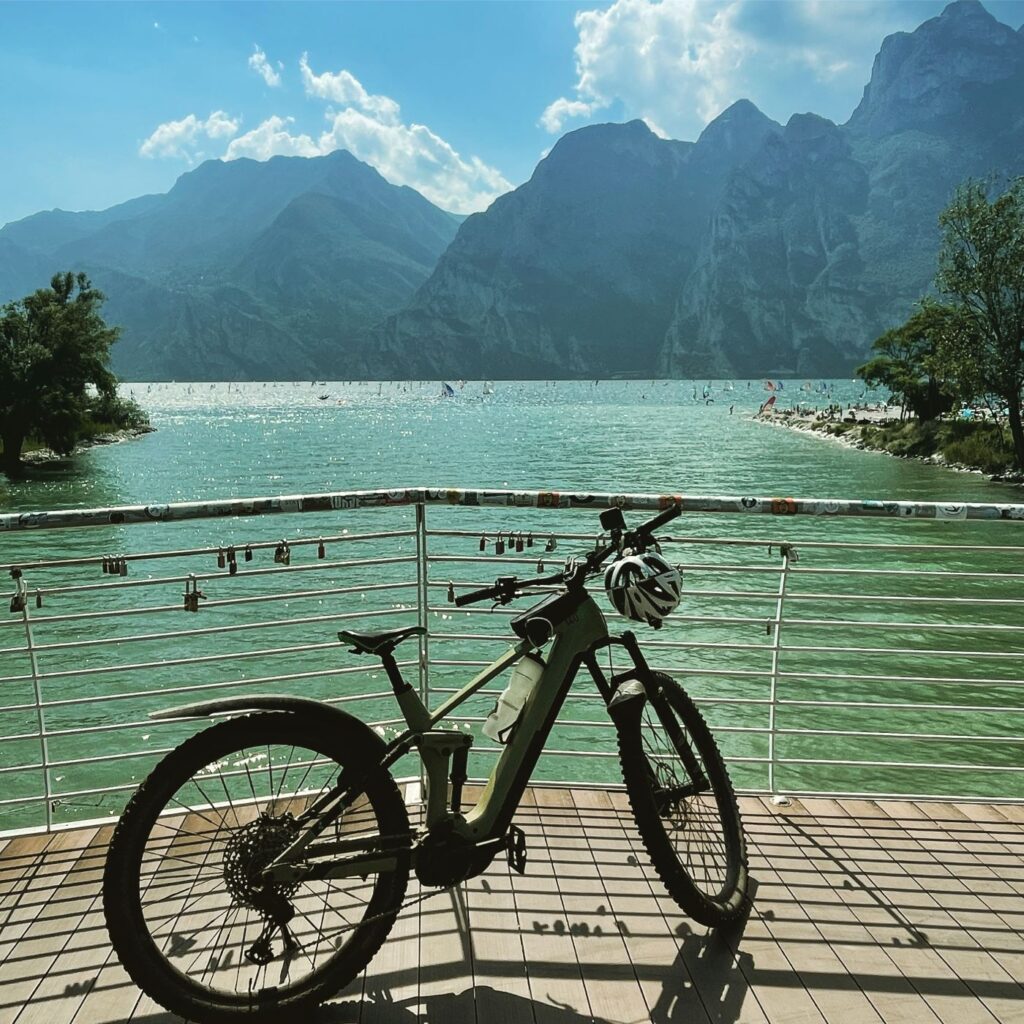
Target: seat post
(416, 715)
(398, 684)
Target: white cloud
(411, 154)
(557, 113)
(271, 138)
(673, 63)
(677, 63)
(371, 128)
(259, 63)
(343, 87)
(181, 139)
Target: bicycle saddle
(378, 643)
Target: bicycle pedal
(515, 849)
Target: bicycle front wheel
(188, 912)
(684, 804)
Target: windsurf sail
(769, 385)
(447, 391)
(767, 404)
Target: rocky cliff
(243, 270)
(760, 249)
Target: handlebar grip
(477, 595)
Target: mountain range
(759, 249)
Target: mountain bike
(261, 865)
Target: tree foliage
(905, 364)
(968, 343)
(54, 344)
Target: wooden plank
(392, 977)
(780, 908)
(552, 962)
(665, 977)
(78, 917)
(989, 949)
(843, 892)
(500, 981)
(612, 987)
(31, 935)
(808, 825)
(446, 957)
(1012, 812)
(914, 936)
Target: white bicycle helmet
(643, 587)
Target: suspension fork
(653, 694)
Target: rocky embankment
(885, 429)
(43, 455)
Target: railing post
(21, 599)
(789, 556)
(423, 599)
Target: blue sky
(100, 102)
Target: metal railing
(875, 648)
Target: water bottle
(525, 675)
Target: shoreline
(42, 456)
(853, 437)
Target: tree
(906, 363)
(53, 345)
(981, 278)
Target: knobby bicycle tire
(150, 967)
(711, 894)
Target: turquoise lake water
(219, 441)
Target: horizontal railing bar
(901, 764)
(163, 609)
(924, 626)
(596, 698)
(810, 649)
(869, 734)
(539, 537)
(958, 798)
(237, 627)
(944, 573)
(511, 560)
(346, 501)
(708, 568)
(228, 684)
(205, 577)
(347, 699)
(699, 592)
(206, 658)
(239, 547)
(902, 598)
(901, 706)
(149, 723)
(865, 678)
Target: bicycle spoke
(203, 897)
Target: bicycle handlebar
(476, 595)
(504, 589)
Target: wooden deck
(865, 913)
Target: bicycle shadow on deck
(708, 968)
(721, 988)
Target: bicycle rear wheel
(188, 912)
(684, 804)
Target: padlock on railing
(193, 595)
